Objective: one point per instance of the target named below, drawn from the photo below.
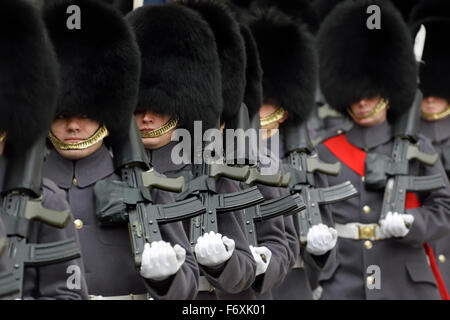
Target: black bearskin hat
(289, 62)
(435, 71)
(123, 6)
(231, 50)
(28, 74)
(100, 64)
(324, 7)
(357, 62)
(300, 10)
(180, 65)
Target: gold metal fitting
(273, 117)
(172, 123)
(101, 133)
(381, 105)
(437, 115)
(2, 136)
(366, 232)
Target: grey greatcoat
(404, 270)
(439, 134)
(51, 281)
(107, 255)
(238, 273)
(302, 278)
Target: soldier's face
(434, 105)
(364, 107)
(75, 129)
(2, 147)
(148, 121)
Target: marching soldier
(181, 83)
(434, 83)
(371, 75)
(288, 95)
(100, 68)
(28, 99)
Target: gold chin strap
(436, 116)
(172, 123)
(99, 135)
(2, 136)
(381, 105)
(274, 117)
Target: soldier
(235, 54)
(180, 83)
(434, 83)
(100, 67)
(28, 99)
(371, 74)
(288, 95)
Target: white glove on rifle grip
(396, 224)
(320, 239)
(160, 260)
(260, 254)
(212, 249)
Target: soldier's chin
(80, 154)
(154, 143)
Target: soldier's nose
(73, 124)
(148, 117)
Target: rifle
(302, 163)
(22, 203)
(132, 195)
(284, 205)
(393, 172)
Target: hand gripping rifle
(22, 203)
(285, 205)
(302, 163)
(202, 184)
(132, 199)
(392, 172)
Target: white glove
(320, 239)
(212, 249)
(262, 257)
(161, 260)
(396, 225)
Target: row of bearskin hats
(199, 59)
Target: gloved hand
(160, 260)
(396, 224)
(262, 257)
(320, 239)
(212, 249)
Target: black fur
(357, 63)
(231, 49)
(289, 62)
(180, 65)
(28, 74)
(324, 7)
(100, 64)
(300, 10)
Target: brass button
(442, 258)
(78, 224)
(366, 209)
(363, 178)
(366, 149)
(370, 280)
(339, 131)
(74, 181)
(368, 244)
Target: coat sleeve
(271, 234)
(238, 273)
(183, 285)
(63, 280)
(432, 218)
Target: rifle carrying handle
(315, 164)
(234, 173)
(426, 158)
(151, 180)
(35, 211)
